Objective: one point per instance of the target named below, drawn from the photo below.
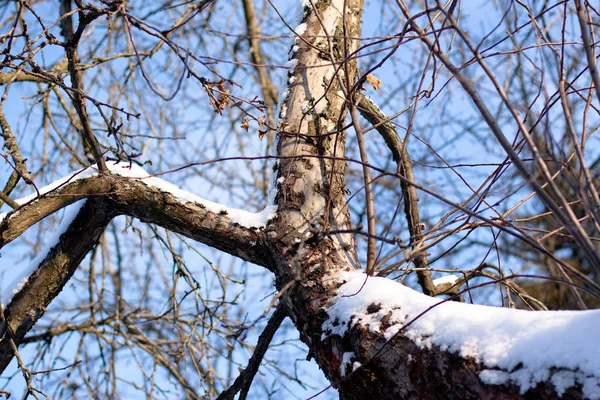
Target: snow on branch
(517, 347)
(243, 218)
(224, 237)
(22, 278)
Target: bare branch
(90, 143)
(30, 303)
(386, 129)
(244, 380)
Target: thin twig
(10, 142)
(371, 243)
(244, 380)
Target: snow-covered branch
(135, 193)
(49, 277)
(498, 350)
(129, 190)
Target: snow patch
(305, 106)
(8, 292)
(450, 279)
(563, 380)
(347, 359)
(301, 29)
(515, 346)
(283, 111)
(494, 377)
(132, 171)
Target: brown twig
(562, 211)
(588, 46)
(90, 143)
(370, 201)
(375, 116)
(268, 90)
(244, 380)
(10, 142)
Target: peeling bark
(305, 262)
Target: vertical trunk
(311, 200)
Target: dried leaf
(262, 121)
(262, 133)
(218, 95)
(245, 123)
(374, 81)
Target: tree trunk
(306, 245)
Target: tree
(101, 79)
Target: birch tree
(129, 98)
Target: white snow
(347, 359)
(17, 284)
(301, 29)
(283, 111)
(514, 345)
(451, 279)
(241, 217)
(305, 106)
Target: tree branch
(109, 196)
(10, 142)
(90, 143)
(244, 380)
(135, 198)
(386, 129)
(268, 90)
(30, 303)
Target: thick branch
(110, 195)
(386, 129)
(134, 198)
(395, 343)
(47, 281)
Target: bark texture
(304, 245)
(29, 304)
